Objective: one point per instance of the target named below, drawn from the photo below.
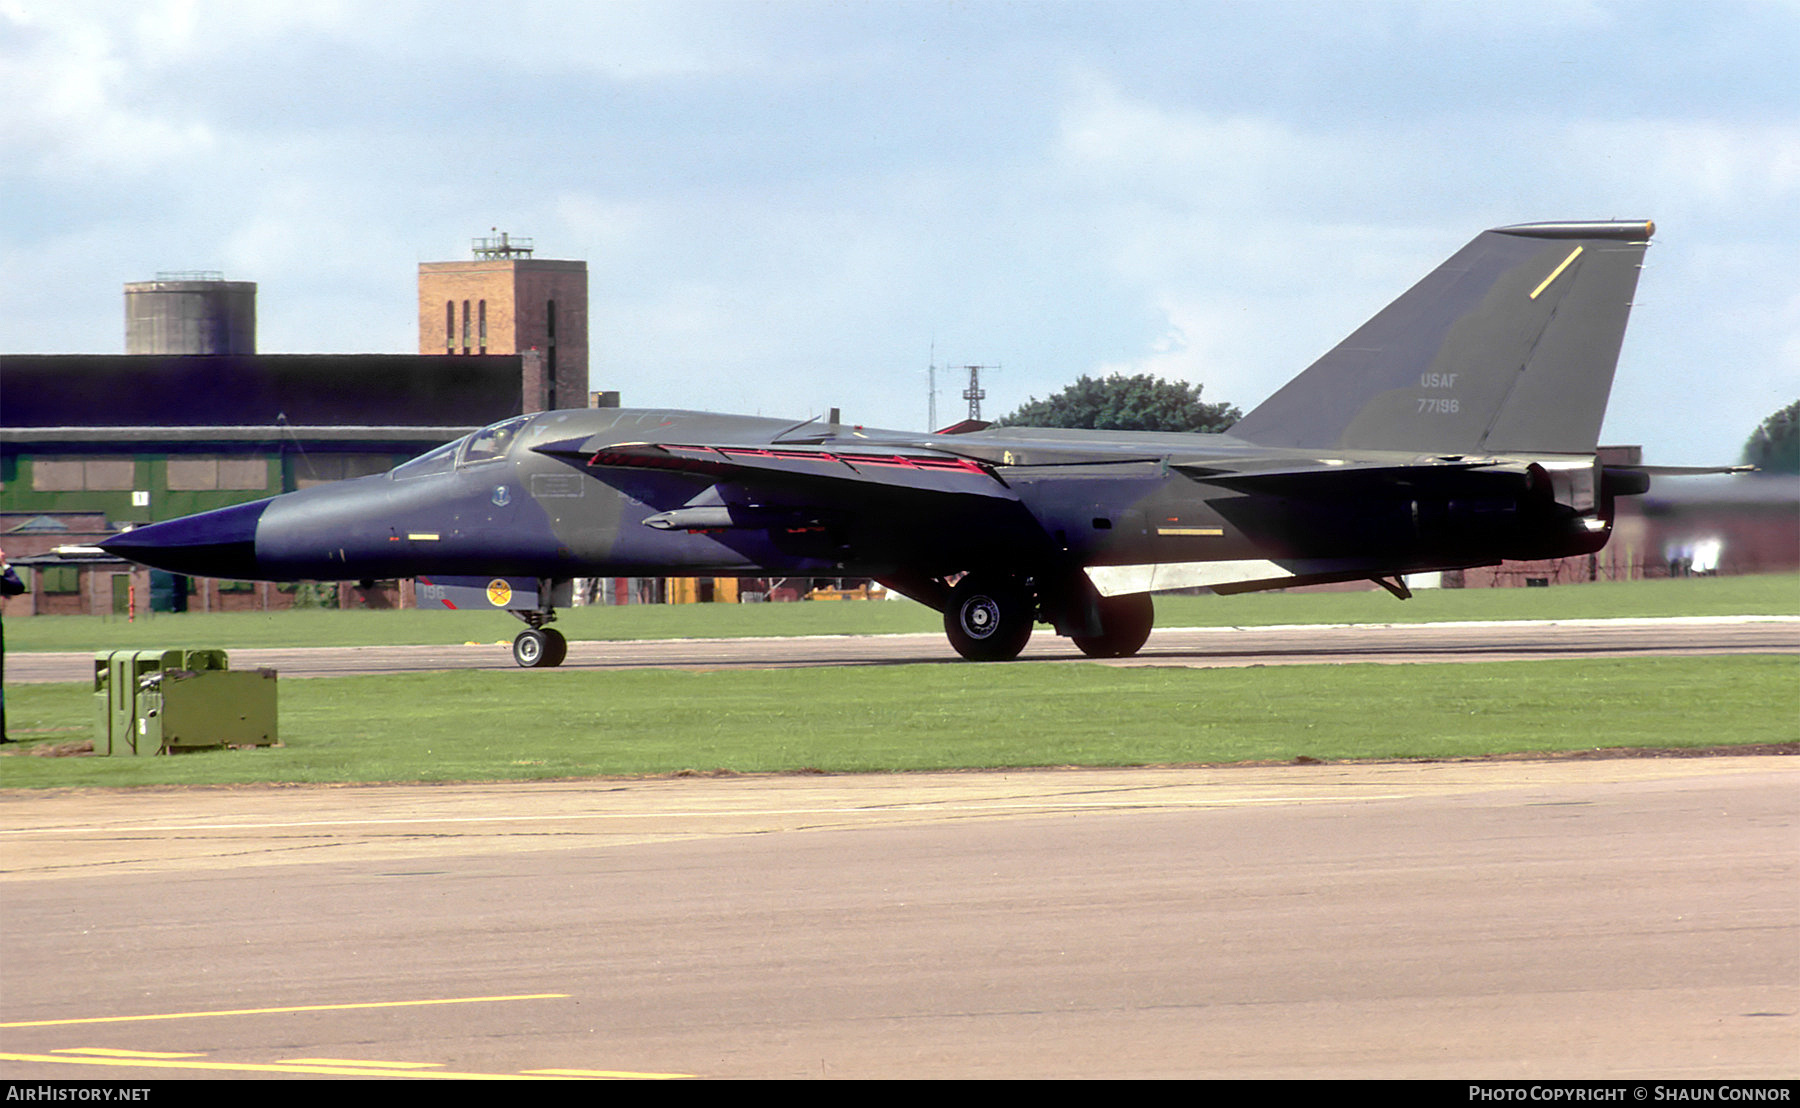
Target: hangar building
(193, 418)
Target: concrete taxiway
(1168, 646)
(1560, 918)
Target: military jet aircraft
(1454, 429)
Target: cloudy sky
(791, 206)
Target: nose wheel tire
(539, 648)
(989, 618)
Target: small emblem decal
(502, 496)
(499, 593)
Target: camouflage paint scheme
(1456, 428)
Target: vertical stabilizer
(1507, 348)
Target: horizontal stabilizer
(1683, 471)
(965, 427)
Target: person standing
(10, 585)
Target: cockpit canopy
(486, 445)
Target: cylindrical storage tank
(190, 317)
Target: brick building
(504, 301)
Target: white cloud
(1261, 241)
(69, 107)
(1184, 156)
(1718, 164)
(776, 200)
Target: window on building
(77, 474)
(193, 474)
(481, 327)
(243, 473)
(111, 474)
(465, 342)
(449, 326)
(550, 355)
(201, 474)
(56, 475)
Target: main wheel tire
(538, 648)
(989, 617)
(1125, 623)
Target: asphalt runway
(1630, 918)
(1566, 918)
(1169, 646)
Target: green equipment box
(164, 701)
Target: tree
(1775, 446)
(1120, 403)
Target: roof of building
(258, 392)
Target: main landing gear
(988, 617)
(1125, 623)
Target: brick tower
(504, 301)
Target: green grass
(490, 726)
(515, 725)
(1774, 594)
(1766, 594)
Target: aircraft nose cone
(219, 543)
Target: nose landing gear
(540, 646)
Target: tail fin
(1507, 348)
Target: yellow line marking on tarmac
(110, 1052)
(627, 1075)
(361, 1062)
(269, 1067)
(278, 1011)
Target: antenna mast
(931, 423)
(975, 394)
(504, 248)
